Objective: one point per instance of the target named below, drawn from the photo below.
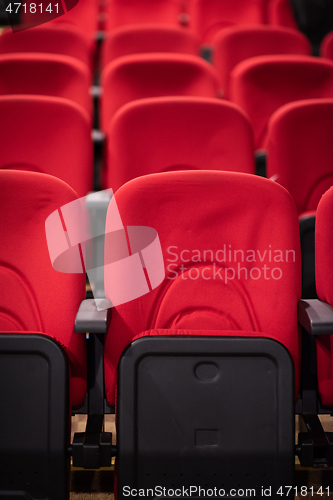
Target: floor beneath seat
(98, 485)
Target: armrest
(315, 316)
(93, 316)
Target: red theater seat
(154, 75)
(207, 17)
(263, 84)
(136, 39)
(49, 135)
(52, 39)
(121, 12)
(178, 133)
(202, 334)
(37, 341)
(280, 13)
(46, 74)
(235, 44)
(302, 163)
(326, 47)
(324, 280)
(83, 16)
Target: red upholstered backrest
(46, 74)
(182, 133)
(280, 13)
(300, 150)
(50, 38)
(121, 12)
(48, 135)
(237, 43)
(138, 39)
(207, 17)
(263, 84)
(220, 232)
(84, 15)
(33, 296)
(324, 287)
(326, 47)
(154, 75)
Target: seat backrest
(154, 75)
(46, 74)
(207, 17)
(300, 150)
(324, 280)
(49, 135)
(324, 254)
(177, 133)
(35, 297)
(52, 39)
(220, 232)
(326, 46)
(121, 12)
(144, 38)
(280, 13)
(237, 43)
(263, 84)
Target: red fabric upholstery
(48, 135)
(207, 17)
(324, 280)
(34, 297)
(154, 75)
(46, 74)
(263, 84)
(137, 39)
(302, 162)
(84, 16)
(199, 217)
(326, 47)
(51, 38)
(177, 133)
(280, 13)
(233, 45)
(121, 12)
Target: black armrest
(93, 316)
(315, 316)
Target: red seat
(143, 38)
(35, 297)
(52, 39)
(43, 362)
(154, 75)
(326, 47)
(280, 13)
(300, 158)
(177, 133)
(324, 280)
(300, 150)
(263, 84)
(46, 74)
(194, 338)
(234, 44)
(49, 135)
(197, 211)
(207, 17)
(84, 16)
(121, 12)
